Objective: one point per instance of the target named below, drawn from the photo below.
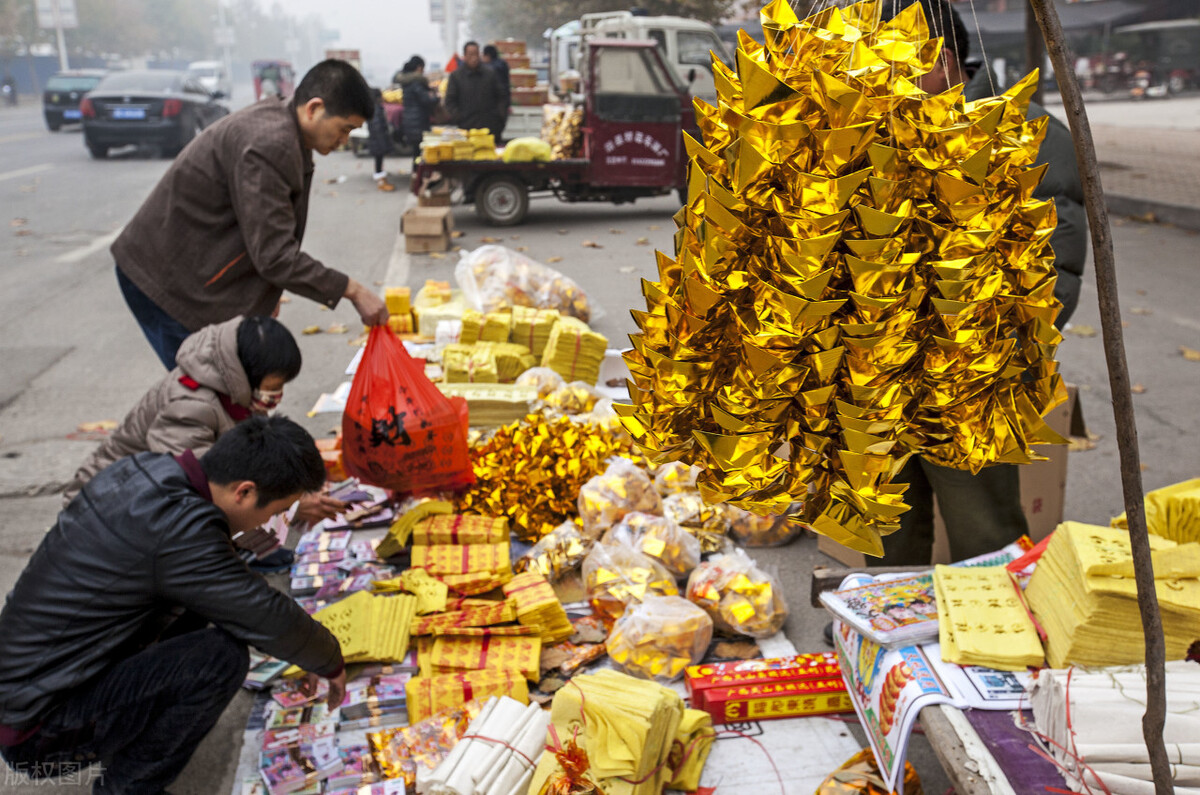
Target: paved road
(71, 352)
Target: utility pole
(225, 39)
(58, 14)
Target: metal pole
(1118, 377)
(63, 62)
(227, 52)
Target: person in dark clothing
(419, 101)
(474, 96)
(492, 59)
(379, 140)
(983, 512)
(105, 652)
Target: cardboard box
(783, 687)
(437, 199)
(426, 229)
(709, 676)
(1043, 489)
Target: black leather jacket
(136, 544)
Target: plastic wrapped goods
(545, 380)
(527, 150)
(557, 553)
(494, 278)
(617, 576)
(674, 477)
(623, 488)
(708, 523)
(741, 598)
(659, 638)
(660, 538)
(750, 530)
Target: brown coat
(220, 234)
(171, 417)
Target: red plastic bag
(399, 431)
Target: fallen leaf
(311, 330)
(23, 232)
(1124, 324)
(1143, 467)
(1138, 389)
(489, 240)
(377, 284)
(18, 222)
(333, 194)
(97, 425)
(627, 269)
(1141, 310)
(642, 241)
(615, 231)
(457, 248)
(361, 202)
(457, 233)
(654, 227)
(522, 248)
(1141, 292)
(552, 260)
(337, 328)
(1080, 444)
(324, 308)
(591, 244)
(564, 231)
(1082, 331)
(331, 181)
(1191, 354)
(437, 255)
(551, 684)
(28, 188)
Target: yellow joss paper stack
(480, 613)
(427, 695)
(496, 327)
(472, 322)
(461, 529)
(695, 736)
(861, 273)
(470, 364)
(574, 351)
(491, 405)
(1172, 512)
(429, 593)
(1084, 595)
(443, 559)
(981, 620)
(487, 649)
(627, 727)
(538, 607)
(369, 627)
(400, 532)
(531, 327)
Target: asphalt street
(71, 353)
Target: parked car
(156, 106)
(64, 91)
(211, 75)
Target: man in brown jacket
(220, 234)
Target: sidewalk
(1147, 153)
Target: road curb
(1178, 215)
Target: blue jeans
(164, 333)
(142, 718)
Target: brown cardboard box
(1043, 488)
(426, 229)
(437, 199)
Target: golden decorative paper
(861, 274)
(659, 638)
(532, 471)
(623, 488)
(674, 477)
(660, 538)
(741, 598)
(708, 523)
(556, 553)
(425, 743)
(618, 576)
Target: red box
(804, 684)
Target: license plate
(129, 113)
(71, 114)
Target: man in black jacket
(96, 663)
(493, 61)
(474, 96)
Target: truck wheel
(99, 151)
(502, 200)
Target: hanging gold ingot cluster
(861, 274)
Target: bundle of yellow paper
(487, 650)
(531, 327)
(493, 404)
(475, 616)
(695, 736)
(626, 725)
(370, 627)
(1083, 593)
(460, 529)
(471, 364)
(430, 593)
(427, 695)
(861, 273)
(441, 559)
(472, 322)
(537, 606)
(981, 620)
(401, 530)
(398, 300)
(1172, 512)
(475, 582)
(574, 351)
(496, 327)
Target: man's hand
(337, 687)
(370, 306)
(315, 507)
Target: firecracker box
(426, 229)
(705, 679)
(1043, 488)
(778, 700)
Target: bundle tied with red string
(399, 431)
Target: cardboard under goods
(426, 229)
(1043, 489)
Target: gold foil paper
(861, 274)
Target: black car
(155, 106)
(64, 91)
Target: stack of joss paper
(1172, 512)
(400, 533)
(370, 627)
(531, 327)
(574, 351)
(431, 594)
(862, 273)
(485, 362)
(538, 607)
(430, 694)
(491, 405)
(469, 553)
(506, 649)
(1084, 595)
(981, 620)
(627, 727)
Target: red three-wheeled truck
(634, 113)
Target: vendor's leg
(164, 333)
(912, 544)
(982, 512)
(379, 172)
(143, 718)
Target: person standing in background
(492, 59)
(419, 101)
(474, 96)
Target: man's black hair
(413, 64)
(490, 51)
(265, 347)
(276, 454)
(344, 91)
(943, 20)
(470, 44)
